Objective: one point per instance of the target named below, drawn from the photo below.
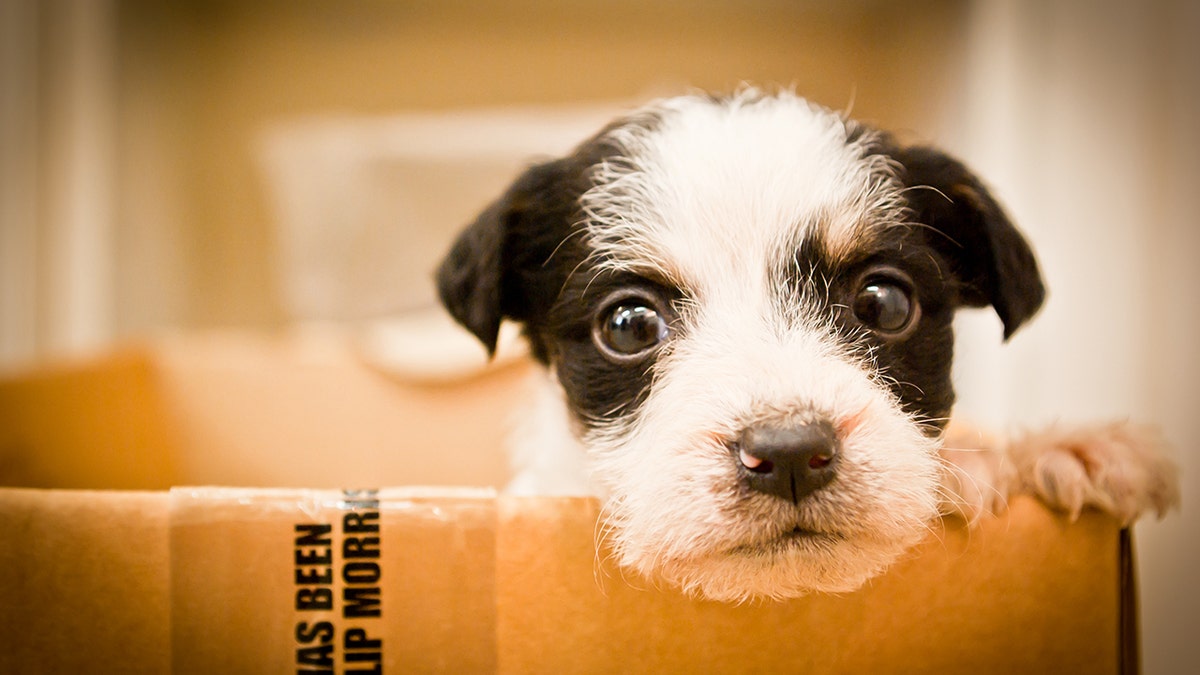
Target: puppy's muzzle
(789, 461)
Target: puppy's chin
(695, 525)
(783, 569)
(787, 565)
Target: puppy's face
(748, 303)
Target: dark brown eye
(631, 324)
(633, 329)
(885, 306)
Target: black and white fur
(745, 307)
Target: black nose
(789, 462)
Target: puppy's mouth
(797, 539)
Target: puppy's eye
(631, 329)
(885, 306)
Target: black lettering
(361, 573)
(360, 602)
(314, 566)
(362, 649)
(308, 599)
(319, 557)
(322, 630)
(356, 639)
(360, 522)
(360, 547)
(315, 656)
(314, 576)
(314, 534)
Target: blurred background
(277, 166)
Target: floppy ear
(497, 267)
(991, 259)
(469, 278)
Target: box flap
(88, 424)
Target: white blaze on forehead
(716, 191)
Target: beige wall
(199, 81)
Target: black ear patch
(990, 258)
(469, 279)
(500, 265)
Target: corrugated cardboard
(257, 580)
(251, 410)
(84, 582)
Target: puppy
(744, 304)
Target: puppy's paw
(976, 474)
(1118, 468)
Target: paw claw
(1118, 468)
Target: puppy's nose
(789, 462)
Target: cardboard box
(251, 410)
(441, 579)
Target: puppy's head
(748, 302)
